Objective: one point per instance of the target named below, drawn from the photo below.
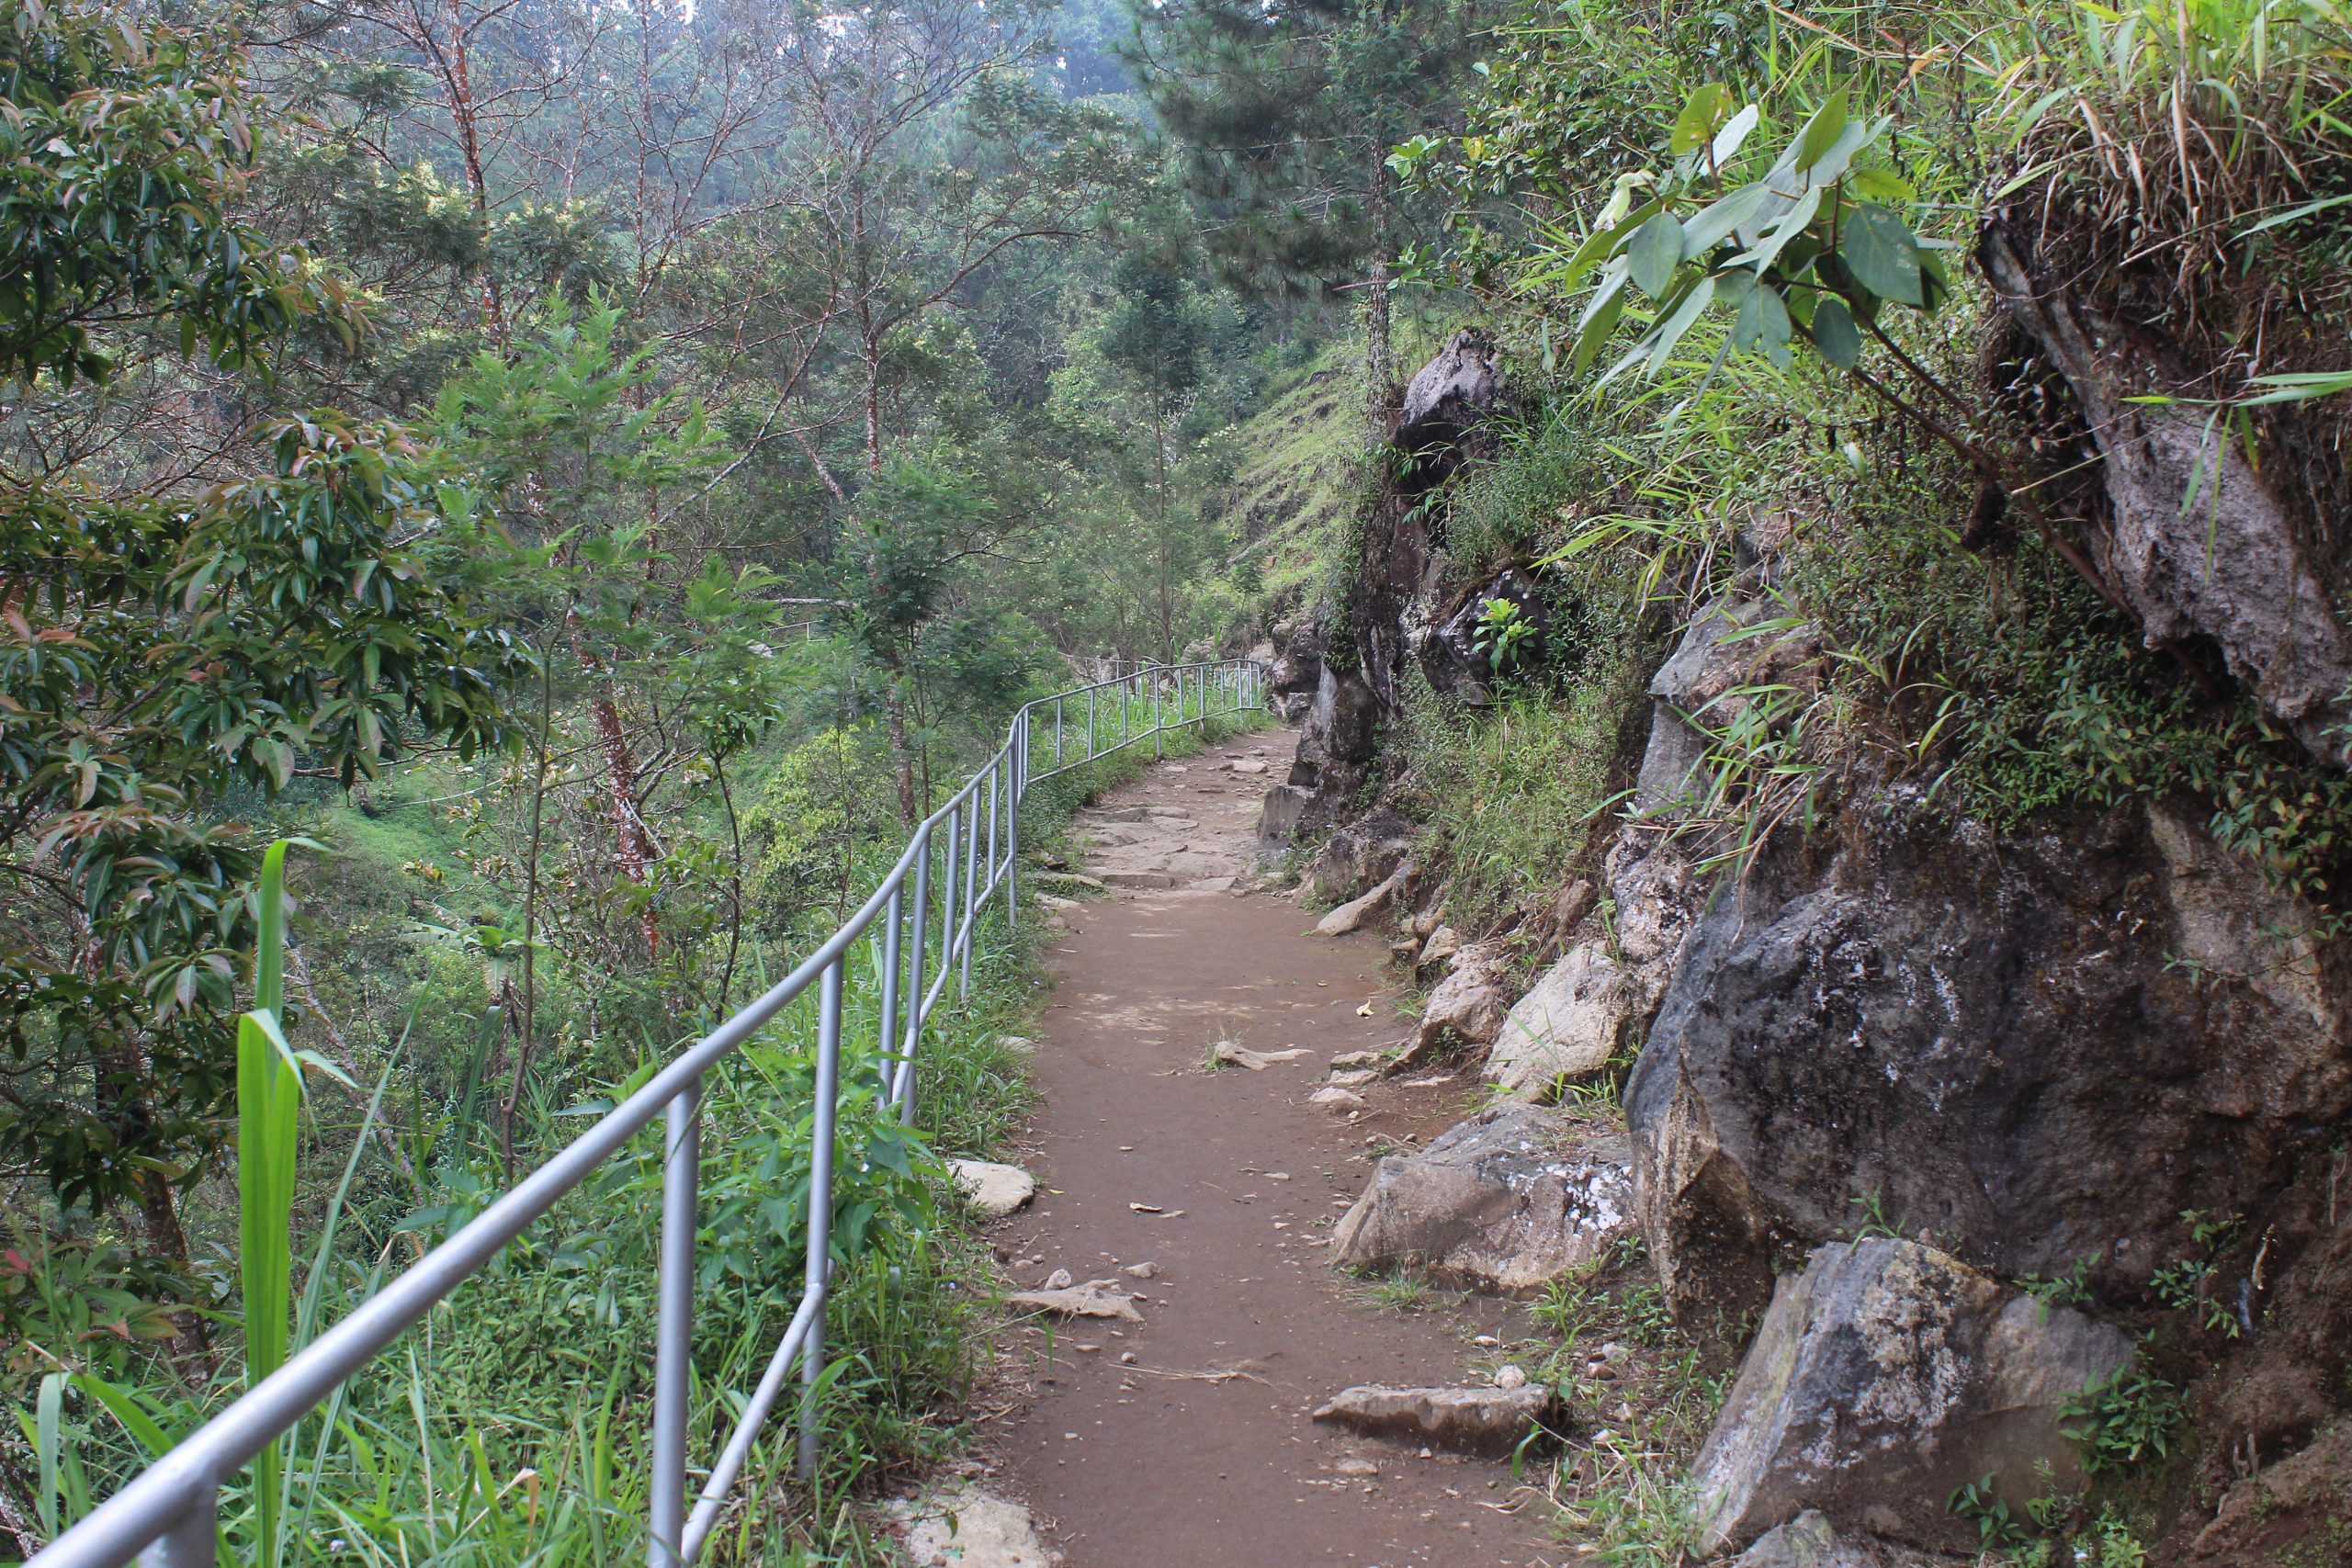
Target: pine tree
(1285, 114)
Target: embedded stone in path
(1256, 1061)
(993, 1191)
(1338, 1099)
(1093, 1299)
(1495, 1201)
(1470, 1420)
(961, 1526)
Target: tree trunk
(902, 757)
(632, 846)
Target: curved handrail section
(955, 863)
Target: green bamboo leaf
(1878, 249)
(1598, 324)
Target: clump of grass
(1512, 795)
(1397, 1292)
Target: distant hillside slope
(1295, 487)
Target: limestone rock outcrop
(1500, 1202)
(2041, 1049)
(1885, 1375)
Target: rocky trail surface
(1195, 1200)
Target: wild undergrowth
(511, 1427)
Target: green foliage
(1505, 634)
(2127, 1421)
(128, 144)
(2071, 1289)
(1976, 1503)
(1508, 792)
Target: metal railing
(166, 1517)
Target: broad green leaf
(1822, 130)
(1793, 224)
(1702, 113)
(1881, 185)
(1733, 135)
(1656, 252)
(1708, 228)
(1833, 333)
(1878, 250)
(1762, 323)
(1600, 241)
(1832, 163)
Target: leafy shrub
(2126, 1421)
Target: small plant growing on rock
(2124, 1421)
(1505, 634)
(2072, 1289)
(1996, 1529)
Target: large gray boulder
(1500, 1201)
(1567, 1026)
(2041, 1050)
(1446, 404)
(1885, 1375)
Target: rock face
(1360, 856)
(1569, 1026)
(1495, 1202)
(1471, 1420)
(1885, 1375)
(1446, 404)
(1361, 910)
(2236, 568)
(2039, 1050)
(993, 1191)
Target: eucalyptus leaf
(1733, 135)
(1833, 333)
(1878, 250)
(1655, 253)
(1702, 113)
(1669, 332)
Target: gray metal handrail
(166, 1517)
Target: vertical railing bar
(904, 1089)
(1012, 832)
(819, 1272)
(947, 903)
(886, 1026)
(673, 1328)
(971, 900)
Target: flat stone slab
(995, 1190)
(961, 1526)
(1256, 1061)
(1471, 1420)
(1092, 1299)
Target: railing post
(972, 901)
(903, 1089)
(1089, 724)
(1057, 732)
(191, 1539)
(673, 1328)
(947, 903)
(1013, 831)
(1157, 742)
(886, 1026)
(820, 1274)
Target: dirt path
(1185, 1440)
